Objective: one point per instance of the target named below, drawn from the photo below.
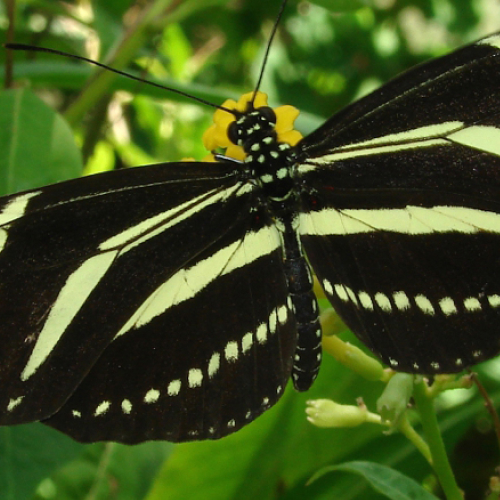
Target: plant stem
(412, 435)
(440, 462)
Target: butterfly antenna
(22, 46)
(268, 48)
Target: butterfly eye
(233, 132)
(268, 115)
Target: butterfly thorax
(268, 159)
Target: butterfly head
(253, 120)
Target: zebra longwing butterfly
(185, 318)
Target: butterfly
(174, 301)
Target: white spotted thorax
(269, 159)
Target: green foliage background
(326, 54)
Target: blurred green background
(326, 54)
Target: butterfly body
(174, 301)
(270, 166)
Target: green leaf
(385, 480)
(28, 454)
(108, 470)
(37, 145)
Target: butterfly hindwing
(209, 351)
(419, 305)
(400, 218)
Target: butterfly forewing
(79, 258)
(401, 217)
(461, 87)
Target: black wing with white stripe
(402, 212)
(95, 336)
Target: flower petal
(236, 152)
(285, 118)
(291, 137)
(260, 100)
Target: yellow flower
(209, 157)
(216, 136)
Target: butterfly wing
(128, 310)
(402, 211)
